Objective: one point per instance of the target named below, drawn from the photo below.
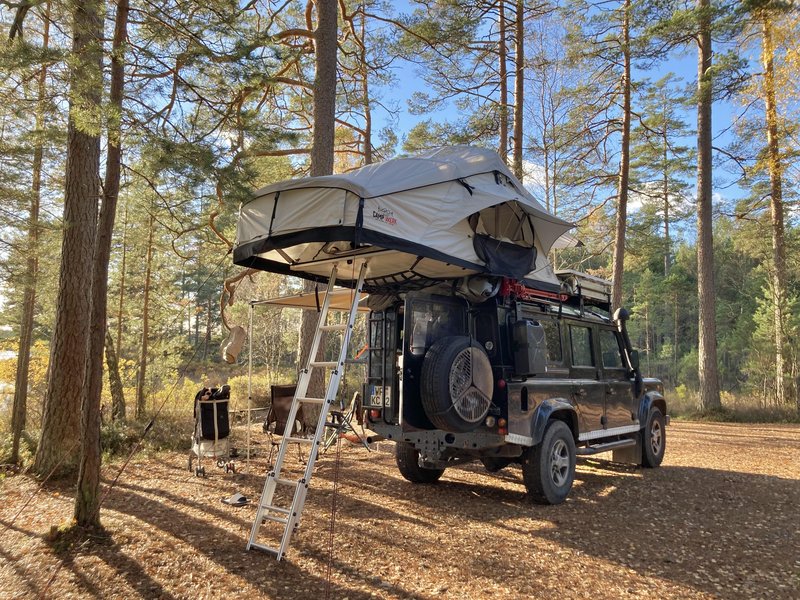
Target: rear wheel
(548, 469)
(407, 458)
(654, 439)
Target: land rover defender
(495, 371)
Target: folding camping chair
(275, 425)
(341, 423)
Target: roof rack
(588, 289)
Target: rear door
(619, 400)
(587, 390)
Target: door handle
(580, 392)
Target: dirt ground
(718, 520)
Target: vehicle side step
(598, 448)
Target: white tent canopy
(441, 215)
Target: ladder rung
(297, 440)
(312, 400)
(264, 548)
(330, 364)
(289, 482)
(275, 519)
(335, 327)
(277, 509)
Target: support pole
(249, 377)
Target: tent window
(507, 222)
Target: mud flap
(631, 454)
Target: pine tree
(661, 164)
(59, 439)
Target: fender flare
(650, 399)
(557, 408)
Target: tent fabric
(414, 213)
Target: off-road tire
(548, 469)
(435, 389)
(654, 439)
(407, 457)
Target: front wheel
(548, 469)
(654, 439)
(407, 457)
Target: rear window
(581, 340)
(552, 335)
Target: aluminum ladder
(288, 516)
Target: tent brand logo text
(384, 215)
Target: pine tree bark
(503, 69)
(20, 407)
(707, 328)
(367, 146)
(207, 338)
(142, 375)
(324, 111)
(519, 87)
(618, 267)
(775, 166)
(665, 192)
(61, 411)
(122, 269)
(87, 498)
(118, 408)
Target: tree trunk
(325, 48)
(122, 282)
(503, 68)
(707, 328)
(114, 381)
(20, 409)
(618, 267)
(665, 191)
(87, 498)
(140, 381)
(519, 87)
(62, 402)
(325, 45)
(367, 146)
(207, 339)
(776, 208)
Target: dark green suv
(509, 375)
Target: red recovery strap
(511, 287)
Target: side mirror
(634, 358)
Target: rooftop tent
(444, 214)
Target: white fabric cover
(424, 199)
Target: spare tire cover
(457, 384)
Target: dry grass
(718, 520)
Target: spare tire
(457, 384)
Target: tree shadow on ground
(734, 534)
(225, 548)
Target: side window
(581, 340)
(609, 347)
(552, 335)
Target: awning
(340, 300)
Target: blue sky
(682, 63)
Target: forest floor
(718, 520)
